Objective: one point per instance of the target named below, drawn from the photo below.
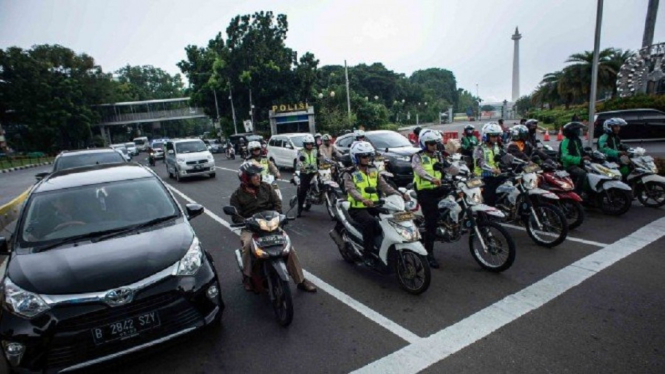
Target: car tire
(212, 175)
(168, 172)
(177, 175)
(295, 164)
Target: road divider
(9, 212)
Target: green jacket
(469, 142)
(610, 145)
(571, 152)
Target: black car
(643, 124)
(84, 157)
(103, 263)
(394, 147)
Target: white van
(283, 149)
(187, 158)
(142, 143)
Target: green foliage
(147, 83)
(633, 102)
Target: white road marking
(579, 240)
(236, 171)
(436, 347)
(339, 295)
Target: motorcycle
(648, 186)
(230, 153)
(523, 203)
(559, 183)
(462, 211)
(604, 188)
(270, 247)
(399, 249)
(322, 188)
(151, 158)
(243, 152)
(270, 179)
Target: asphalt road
(585, 306)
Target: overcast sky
(472, 38)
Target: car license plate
(403, 216)
(198, 167)
(125, 328)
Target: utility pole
(216, 105)
(348, 97)
(650, 23)
(594, 71)
(233, 110)
(251, 111)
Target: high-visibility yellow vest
(488, 154)
(427, 163)
(362, 181)
(265, 164)
(310, 159)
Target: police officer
(308, 166)
(486, 165)
(427, 174)
(255, 150)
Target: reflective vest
(361, 181)
(488, 154)
(310, 159)
(265, 164)
(427, 163)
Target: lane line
(332, 291)
(428, 351)
(579, 240)
(236, 171)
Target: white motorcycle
(648, 186)
(270, 179)
(604, 188)
(399, 248)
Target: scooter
(270, 179)
(559, 183)
(230, 153)
(648, 186)
(462, 212)
(270, 248)
(399, 249)
(604, 188)
(151, 158)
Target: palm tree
(577, 76)
(548, 91)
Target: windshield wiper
(132, 228)
(74, 239)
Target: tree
(523, 105)
(148, 83)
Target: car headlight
(192, 260)
(25, 304)
(403, 158)
(410, 234)
(474, 199)
(210, 158)
(180, 160)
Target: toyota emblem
(118, 297)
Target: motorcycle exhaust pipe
(334, 235)
(239, 259)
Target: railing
(153, 116)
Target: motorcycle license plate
(402, 216)
(270, 240)
(125, 328)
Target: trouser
(429, 201)
(366, 218)
(305, 181)
(578, 176)
(292, 261)
(489, 190)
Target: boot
(432, 261)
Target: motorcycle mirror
(370, 190)
(230, 211)
(302, 158)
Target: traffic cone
(547, 136)
(559, 136)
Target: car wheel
(177, 175)
(295, 164)
(212, 175)
(169, 172)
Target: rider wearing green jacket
(572, 154)
(610, 144)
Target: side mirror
(289, 146)
(4, 246)
(370, 190)
(230, 211)
(194, 210)
(302, 158)
(40, 176)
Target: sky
(471, 38)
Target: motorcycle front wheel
(574, 212)
(499, 252)
(615, 202)
(331, 201)
(413, 272)
(553, 225)
(280, 294)
(651, 194)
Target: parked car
(131, 148)
(122, 148)
(283, 149)
(643, 124)
(214, 145)
(82, 158)
(142, 143)
(157, 147)
(394, 147)
(103, 263)
(188, 158)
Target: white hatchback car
(283, 149)
(188, 158)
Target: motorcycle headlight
(474, 199)
(410, 234)
(25, 304)
(270, 225)
(565, 186)
(530, 183)
(192, 260)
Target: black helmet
(573, 129)
(417, 131)
(468, 130)
(532, 125)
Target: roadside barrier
(9, 212)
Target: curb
(25, 167)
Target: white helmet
(428, 135)
(491, 128)
(253, 145)
(359, 134)
(360, 149)
(308, 138)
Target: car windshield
(388, 140)
(86, 159)
(190, 147)
(156, 145)
(130, 145)
(139, 141)
(297, 140)
(99, 208)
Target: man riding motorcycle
(253, 197)
(572, 154)
(610, 144)
(327, 150)
(427, 174)
(469, 141)
(361, 176)
(519, 147)
(484, 158)
(308, 159)
(256, 155)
